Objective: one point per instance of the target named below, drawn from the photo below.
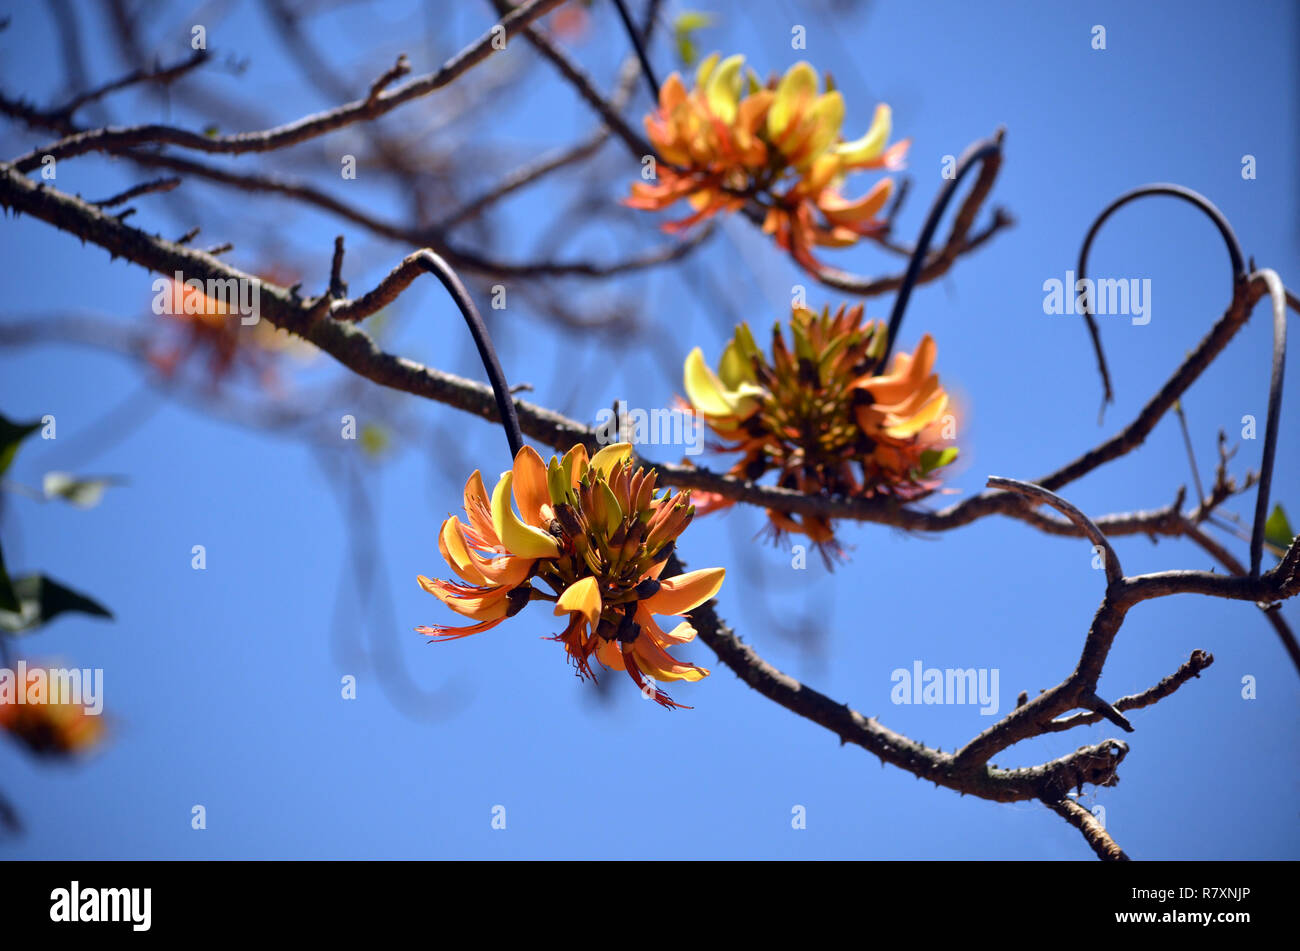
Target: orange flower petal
(680, 594)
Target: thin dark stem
(637, 45)
(483, 340)
(1278, 294)
(1159, 188)
(1191, 453)
(978, 153)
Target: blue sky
(223, 685)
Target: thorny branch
(330, 320)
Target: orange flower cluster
(594, 532)
(821, 414)
(778, 145)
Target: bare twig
(157, 186)
(1093, 831)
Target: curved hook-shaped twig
(1278, 293)
(398, 280)
(482, 340)
(979, 152)
(1157, 188)
(1114, 573)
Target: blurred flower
(820, 414)
(596, 535)
(731, 140)
(211, 328)
(52, 729)
(571, 22)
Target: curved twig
(429, 262)
(1235, 255)
(988, 153)
(1111, 560)
(1278, 294)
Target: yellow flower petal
(823, 169)
(582, 597)
(518, 538)
(683, 633)
(611, 457)
(684, 592)
(928, 414)
(705, 69)
(869, 147)
(793, 93)
(828, 114)
(723, 90)
(703, 388)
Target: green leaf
(40, 600)
(8, 598)
(687, 24)
(83, 493)
(374, 440)
(11, 434)
(932, 459)
(1277, 530)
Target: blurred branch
(301, 130)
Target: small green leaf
(83, 493)
(687, 24)
(374, 440)
(40, 600)
(11, 434)
(932, 459)
(1277, 530)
